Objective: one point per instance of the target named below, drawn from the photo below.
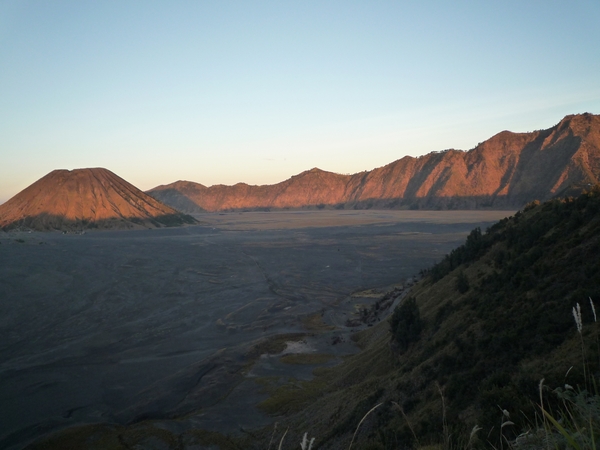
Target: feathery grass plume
(567, 374)
(577, 317)
(473, 434)
(576, 424)
(593, 309)
(545, 420)
(282, 438)
(305, 444)
(361, 421)
(504, 422)
(579, 323)
(272, 436)
(444, 421)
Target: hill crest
(506, 171)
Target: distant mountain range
(83, 199)
(506, 171)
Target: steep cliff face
(506, 171)
(85, 198)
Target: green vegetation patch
(314, 322)
(206, 438)
(305, 358)
(87, 437)
(292, 397)
(174, 220)
(140, 435)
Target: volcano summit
(86, 198)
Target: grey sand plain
(122, 326)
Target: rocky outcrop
(506, 171)
(85, 198)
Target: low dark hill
(506, 171)
(483, 327)
(85, 198)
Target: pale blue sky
(223, 92)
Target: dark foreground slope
(506, 171)
(495, 318)
(85, 198)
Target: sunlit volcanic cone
(85, 198)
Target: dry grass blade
(474, 431)
(361, 421)
(272, 436)
(444, 422)
(572, 442)
(282, 438)
(306, 444)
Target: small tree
(406, 323)
(462, 282)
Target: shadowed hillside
(482, 328)
(85, 198)
(506, 171)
